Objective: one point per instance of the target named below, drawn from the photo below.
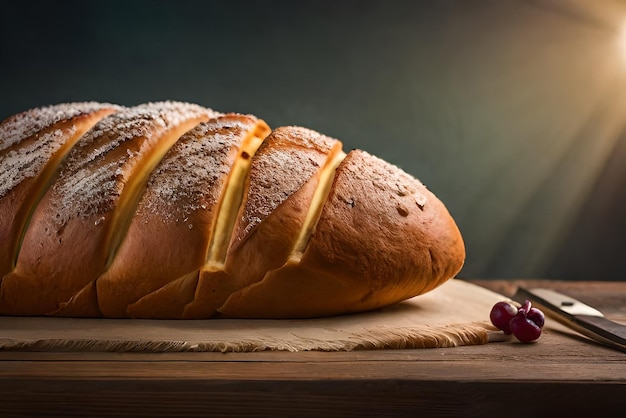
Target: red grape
(524, 329)
(527, 324)
(501, 315)
(536, 316)
(524, 323)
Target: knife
(576, 315)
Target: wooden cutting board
(456, 313)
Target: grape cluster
(524, 323)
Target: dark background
(512, 112)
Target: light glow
(622, 42)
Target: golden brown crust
(166, 302)
(180, 203)
(159, 224)
(288, 158)
(32, 146)
(381, 238)
(68, 243)
(284, 175)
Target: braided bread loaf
(171, 210)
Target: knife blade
(576, 315)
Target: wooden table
(561, 373)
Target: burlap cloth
(456, 313)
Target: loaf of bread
(171, 210)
